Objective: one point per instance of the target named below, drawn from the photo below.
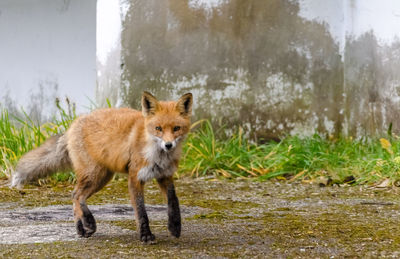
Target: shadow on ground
(221, 219)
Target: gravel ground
(221, 218)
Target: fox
(145, 145)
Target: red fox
(144, 145)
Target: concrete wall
(47, 49)
(257, 64)
(273, 67)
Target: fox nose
(168, 145)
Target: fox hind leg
(88, 182)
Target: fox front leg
(136, 189)
(174, 214)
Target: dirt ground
(221, 218)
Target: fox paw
(147, 237)
(86, 226)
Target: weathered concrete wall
(273, 67)
(257, 64)
(47, 49)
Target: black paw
(147, 237)
(174, 227)
(86, 226)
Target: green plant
(19, 135)
(366, 160)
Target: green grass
(18, 135)
(367, 160)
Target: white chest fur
(160, 163)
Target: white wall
(48, 43)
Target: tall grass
(367, 160)
(18, 135)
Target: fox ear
(149, 104)
(184, 104)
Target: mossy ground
(243, 218)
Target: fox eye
(176, 128)
(158, 128)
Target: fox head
(167, 123)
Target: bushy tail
(52, 156)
